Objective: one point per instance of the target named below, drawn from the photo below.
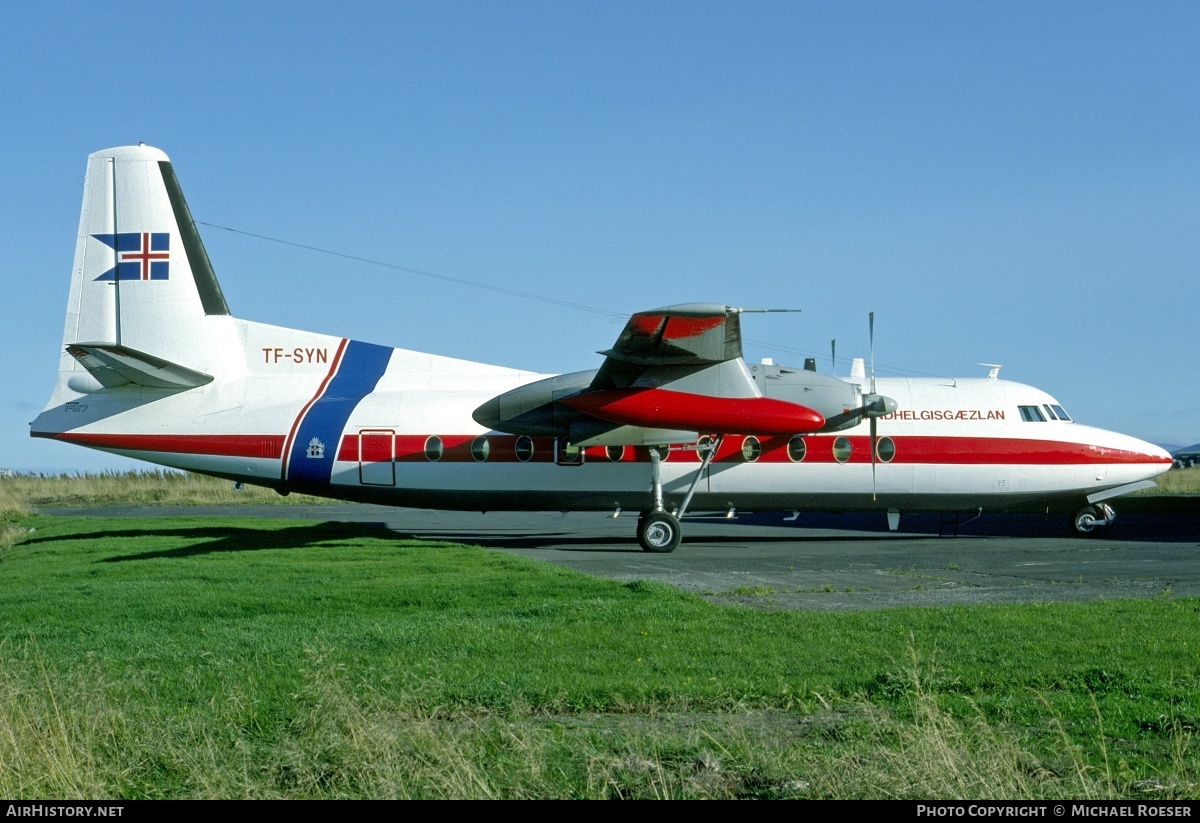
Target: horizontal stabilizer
(114, 366)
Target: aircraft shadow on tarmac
(1180, 525)
(567, 541)
(218, 539)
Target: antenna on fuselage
(993, 370)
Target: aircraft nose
(1157, 454)
(1138, 451)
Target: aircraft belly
(604, 486)
(255, 470)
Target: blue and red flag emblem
(140, 255)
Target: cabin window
(1062, 415)
(614, 453)
(480, 448)
(524, 448)
(841, 449)
(664, 452)
(1032, 414)
(796, 449)
(433, 448)
(885, 450)
(751, 449)
(569, 452)
(703, 447)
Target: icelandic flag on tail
(140, 255)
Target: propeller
(874, 424)
(833, 357)
(875, 406)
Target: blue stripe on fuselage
(310, 462)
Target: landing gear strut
(659, 530)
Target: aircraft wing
(673, 372)
(681, 367)
(683, 336)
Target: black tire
(1084, 521)
(659, 532)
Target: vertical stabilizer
(141, 278)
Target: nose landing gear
(1089, 518)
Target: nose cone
(1156, 454)
(1127, 456)
(1161, 454)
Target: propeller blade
(871, 321)
(833, 357)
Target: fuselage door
(375, 449)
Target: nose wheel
(658, 532)
(1089, 518)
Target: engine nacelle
(842, 403)
(533, 409)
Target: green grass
(200, 658)
(1177, 481)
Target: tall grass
(1177, 481)
(68, 737)
(133, 488)
(55, 732)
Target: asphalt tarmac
(1017, 558)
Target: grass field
(192, 658)
(1177, 481)
(188, 658)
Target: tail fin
(142, 284)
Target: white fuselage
(307, 412)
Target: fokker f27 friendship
(155, 367)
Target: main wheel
(659, 532)
(1086, 519)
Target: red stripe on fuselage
(966, 451)
(958, 451)
(226, 445)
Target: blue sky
(1013, 183)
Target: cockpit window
(1062, 415)
(1032, 414)
(1049, 411)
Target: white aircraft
(155, 367)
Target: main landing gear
(658, 530)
